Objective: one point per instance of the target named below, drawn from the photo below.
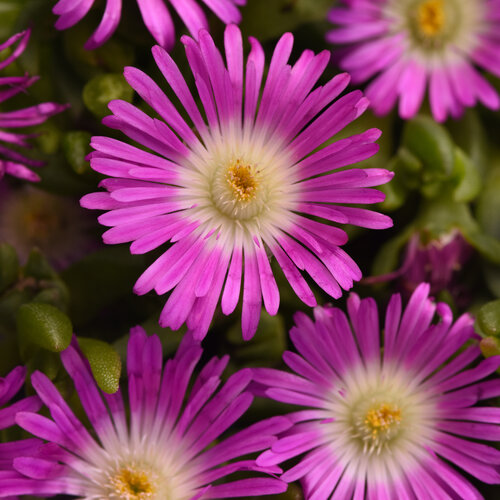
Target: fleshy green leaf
(467, 177)
(432, 144)
(76, 147)
(488, 318)
(45, 326)
(104, 362)
(9, 266)
(104, 88)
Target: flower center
(242, 180)
(381, 420)
(132, 484)
(376, 424)
(431, 18)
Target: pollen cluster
(243, 181)
(380, 419)
(377, 425)
(132, 484)
(431, 18)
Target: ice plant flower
(9, 388)
(30, 217)
(166, 450)
(434, 259)
(408, 45)
(155, 14)
(245, 184)
(385, 421)
(11, 161)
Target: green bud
(45, 326)
(488, 318)
(9, 266)
(104, 88)
(76, 147)
(490, 346)
(104, 362)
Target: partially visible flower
(436, 261)
(247, 183)
(408, 45)
(30, 217)
(386, 413)
(11, 161)
(155, 15)
(168, 448)
(9, 388)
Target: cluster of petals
(246, 183)
(407, 46)
(168, 447)
(11, 161)
(10, 386)
(386, 421)
(155, 14)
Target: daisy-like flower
(30, 217)
(12, 162)
(386, 422)
(155, 14)
(166, 450)
(412, 44)
(243, 185)
(9, 387)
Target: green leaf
(104, 88)
(9, 266)
(76, 147)
(104, 362)
(488, 210)
(38, 267)
(45, 326)
(467, 178)
(488, 318)
(432, 144)
(266, 347)
(100, 279)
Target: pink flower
(244, 183)
(155, 15)
(386, 411)
(12, 162)
(407, 45)
(165, 446)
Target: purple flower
(409, 44)
(9, 387)
(241, 186)
(155, 15)
(386, 423)
(30, 217)
(434, 259)
(167, 448)
(12, 162)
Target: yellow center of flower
(132, 484)
(380, 419)
(376, 424)
(431, 18)
(242, 180)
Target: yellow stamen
(382, 419)
(431, 17)
(242, 180)
(132, 484)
